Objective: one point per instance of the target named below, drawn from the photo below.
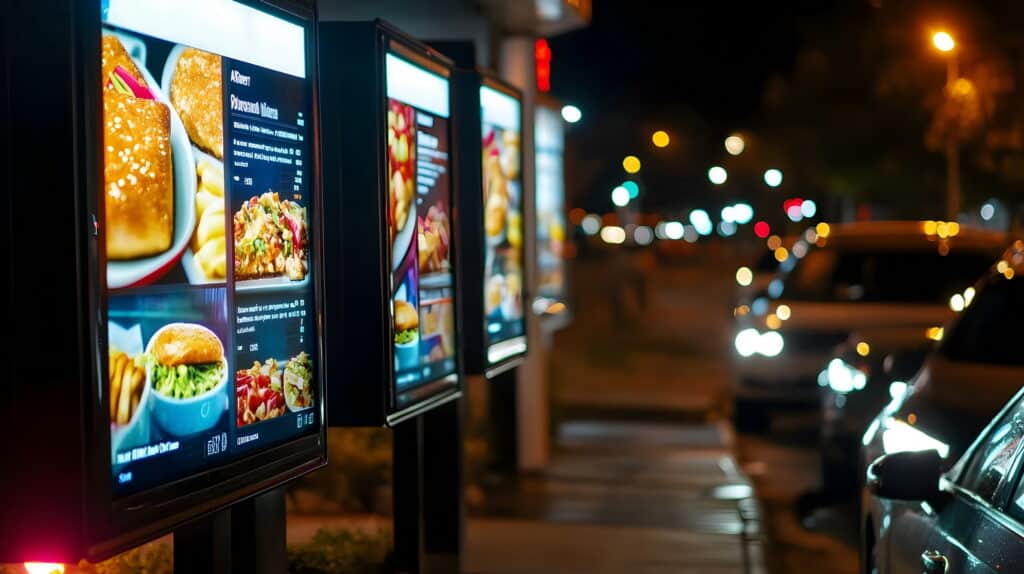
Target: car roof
(912, 236)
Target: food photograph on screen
(419, 223)
(209, 335)
(503, 219)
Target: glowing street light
(571, 114)
(773, 177)
(718, 175)
(631, 164)
(660, 138)
(943, 41)
(734, 144)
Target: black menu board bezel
(482, 357)
(360, 324)
(62, 504)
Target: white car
(976, 368)
(858, 276)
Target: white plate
(124, 273)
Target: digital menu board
(503, 279)
(419, 224)
(208, 226)
(549, 150)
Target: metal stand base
(203, 546)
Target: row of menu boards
(209, 265)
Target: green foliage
(156, 558)
(342, 551)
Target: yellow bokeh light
(631, 164)
(929, 227)
(968, 295)
(1002, 266)
(784, 312)
(934, 333)
(863, 349)
(943, 41)
(741, 311)
(744, 276)
(734, 144)
(953, 228)
(1009, 273)
(772, 322)
(774, 242)
(781, 254)
(956, 302)
(822, 229)
(660, 138)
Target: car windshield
(988, 330)
(831, 274)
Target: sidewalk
(635, 498)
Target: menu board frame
(360, 326)
(552, 321)
(472, 240)
(62, 505)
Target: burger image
(407, 323)
(188, 360)
(187, 371)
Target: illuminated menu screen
(208, 207)
(549, 143)
(419, 223)
(503, 222)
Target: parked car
(860, 275)
(855, 384)
(976, 368)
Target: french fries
(126, 380)
(208, 244)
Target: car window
(832, 274)
(991, 462)
(988, 331)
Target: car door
(972, 534)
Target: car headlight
(842, 377)
(750, 341)
(898, 436)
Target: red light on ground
(542, 56)
(762, 229)
(43, 568)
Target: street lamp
(944, 43)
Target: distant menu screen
(503, 219)
(207, 218)
(419, 223)
(549, 138)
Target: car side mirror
(911, 475)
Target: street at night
(512, 287)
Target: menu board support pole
(502, 408)
(407, 492)
(259, 533)
(203, 546)
(429, 509)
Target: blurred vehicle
(860, 275)
(855, 385)
(967, 520)
(976, 368)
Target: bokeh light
(591, 224)
(643, 235)
(808, 208)
(620, 196)
(774, 242)
(744, 276)
(773, 177)
(571, 114)
(633, 187)
(660, 138)
(762, 229)
(631, 164)
(717, 175)
(674, 230)
(701, 222)
(943, 41)
(734, 144)
(613, 234)
(988, 211)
